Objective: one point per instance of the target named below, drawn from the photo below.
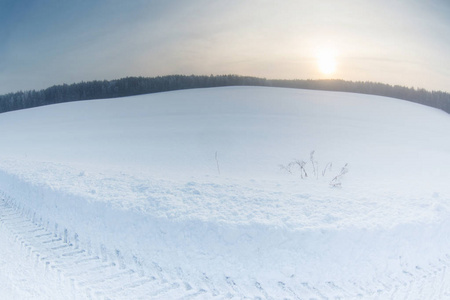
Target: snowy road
(37, 264)
(20, 276)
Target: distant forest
(130, 86)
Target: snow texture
(180, 195)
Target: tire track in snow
(96, 278)
(88, 274)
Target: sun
(326, 60)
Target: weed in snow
(313, 167)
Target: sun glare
(326, 60)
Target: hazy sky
(47, 42)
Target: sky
(48, 42)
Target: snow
(135, 181)
(21, 278)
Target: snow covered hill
(191, 194)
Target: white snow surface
(186, 186)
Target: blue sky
(47, 42)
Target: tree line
(130, 86)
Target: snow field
(134, 182)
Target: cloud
(46, 42)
